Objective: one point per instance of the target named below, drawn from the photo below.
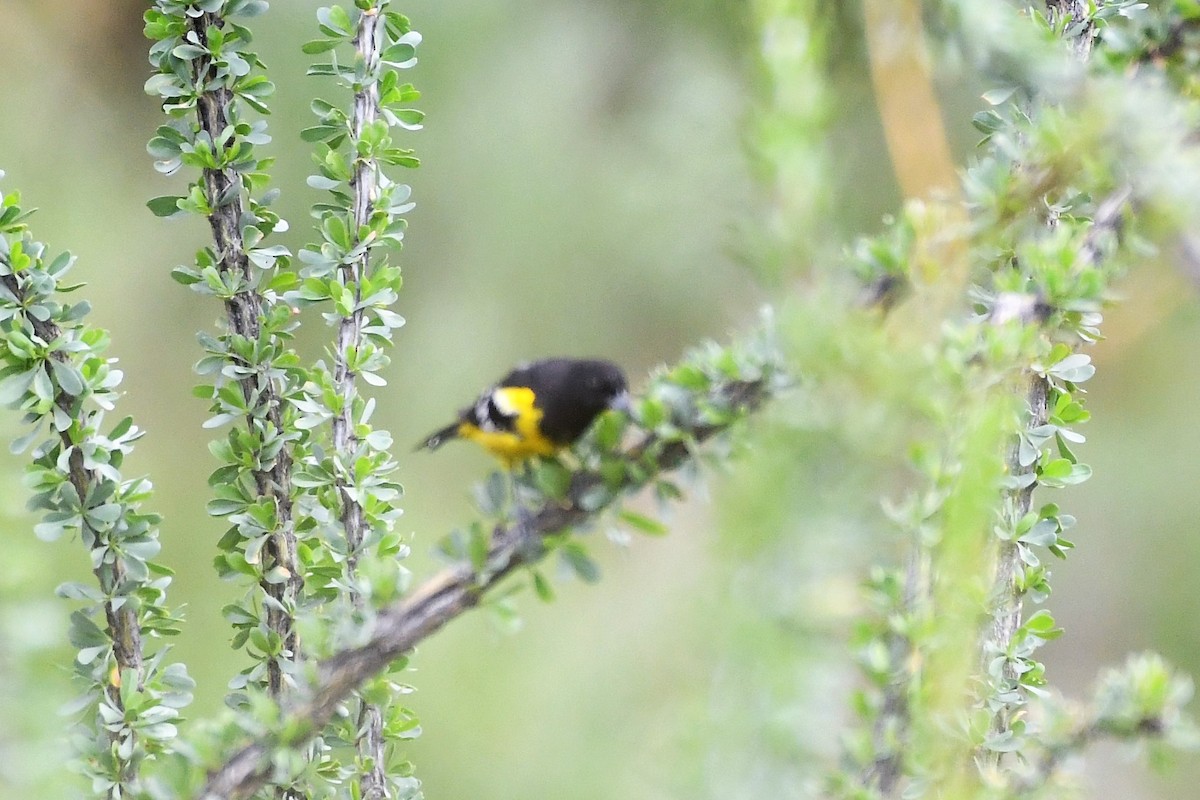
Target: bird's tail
(439, 438)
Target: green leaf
(1075, 368)
(165, 206)
(477, 547)
(553, 479)
(185, 276)
(14, 386)
(257, 86)
(542, 587)
(86, 633)
(321, 133)
(72, 590)
(163, 148)
(580, 563)
(319, 46)
(222, 508)
(54, 526)
(246, 8)
(1003, 742)
(68, 377)
(651, 412)
(321, 70)
(641, 522)
(1042, 625)
(335, 21)
(400, 54)
(1044, 533)
(608, 429)
(334, 228)
(595, 497)
(988, 121)
(187, 52)
(1056, 469)
(42, 386)
(999, 95)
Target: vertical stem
(244, 312)
(1075, 11)
(1007, 603)
(363, 185)
(349, 335)
(893, 726)
(121, 618)
(1008, 600)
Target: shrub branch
(244, 310)
(120, 616)
(371, 744)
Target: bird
(537, 409)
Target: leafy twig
(54, 370)
(244, 310)
(364, 187)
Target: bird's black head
(605, 385)
(572, 392)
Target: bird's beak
(621, 402)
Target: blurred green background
(584, 190)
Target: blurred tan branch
(911, 118)
(908, 106)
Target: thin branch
(893, 726)
(402, 626)
(349, 336)
(1106, 225)
(1084, 735)
(1075, 12)
(364, 187)
(121, 617)
(244, 311)
(1008, 600)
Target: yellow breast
(525, 440)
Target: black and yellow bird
(538, 409)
